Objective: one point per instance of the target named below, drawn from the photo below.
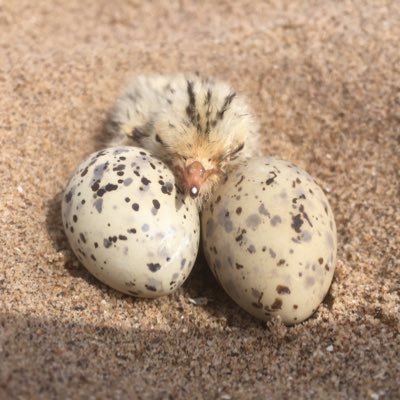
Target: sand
(323, 77)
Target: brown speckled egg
(269, 237)
(128, 224)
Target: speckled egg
(128, 223)
(269, 237)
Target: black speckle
(167, 188)
(297, 222)
(132, 230)
(96, 185)
(270, 180)
(277, 304)
(68, 196)
(82, 236)
(239, 238)
(135, 206)
(156, 204)
(239, 181)
(145, 181)
(151, 288)
(85, 171)
(239, 266)
(327, 267)
(100, 192)
(282, 289)
(122, 237)
(119, 167)
(153, 267)
(304, 214)
(75, 218)
(239, 210)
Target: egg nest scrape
(269, 237)
(129, 224)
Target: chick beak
(193, 176)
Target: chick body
(186, 120)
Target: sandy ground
(324, 79)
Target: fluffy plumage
(198, 126)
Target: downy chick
(198, 126)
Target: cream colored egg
(269, 237)
(128, 224)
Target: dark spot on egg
(297, 222)
(145, 181)
(277, 304)
(96, 185)
(68, 196)
(82, 236)
(282, 289)
(153, 267)
(156, 204)
(253, 221)
(275, 220)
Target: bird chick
(198, 126)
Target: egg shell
(128, 223)
(269, 237)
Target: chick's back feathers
(158, 110)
